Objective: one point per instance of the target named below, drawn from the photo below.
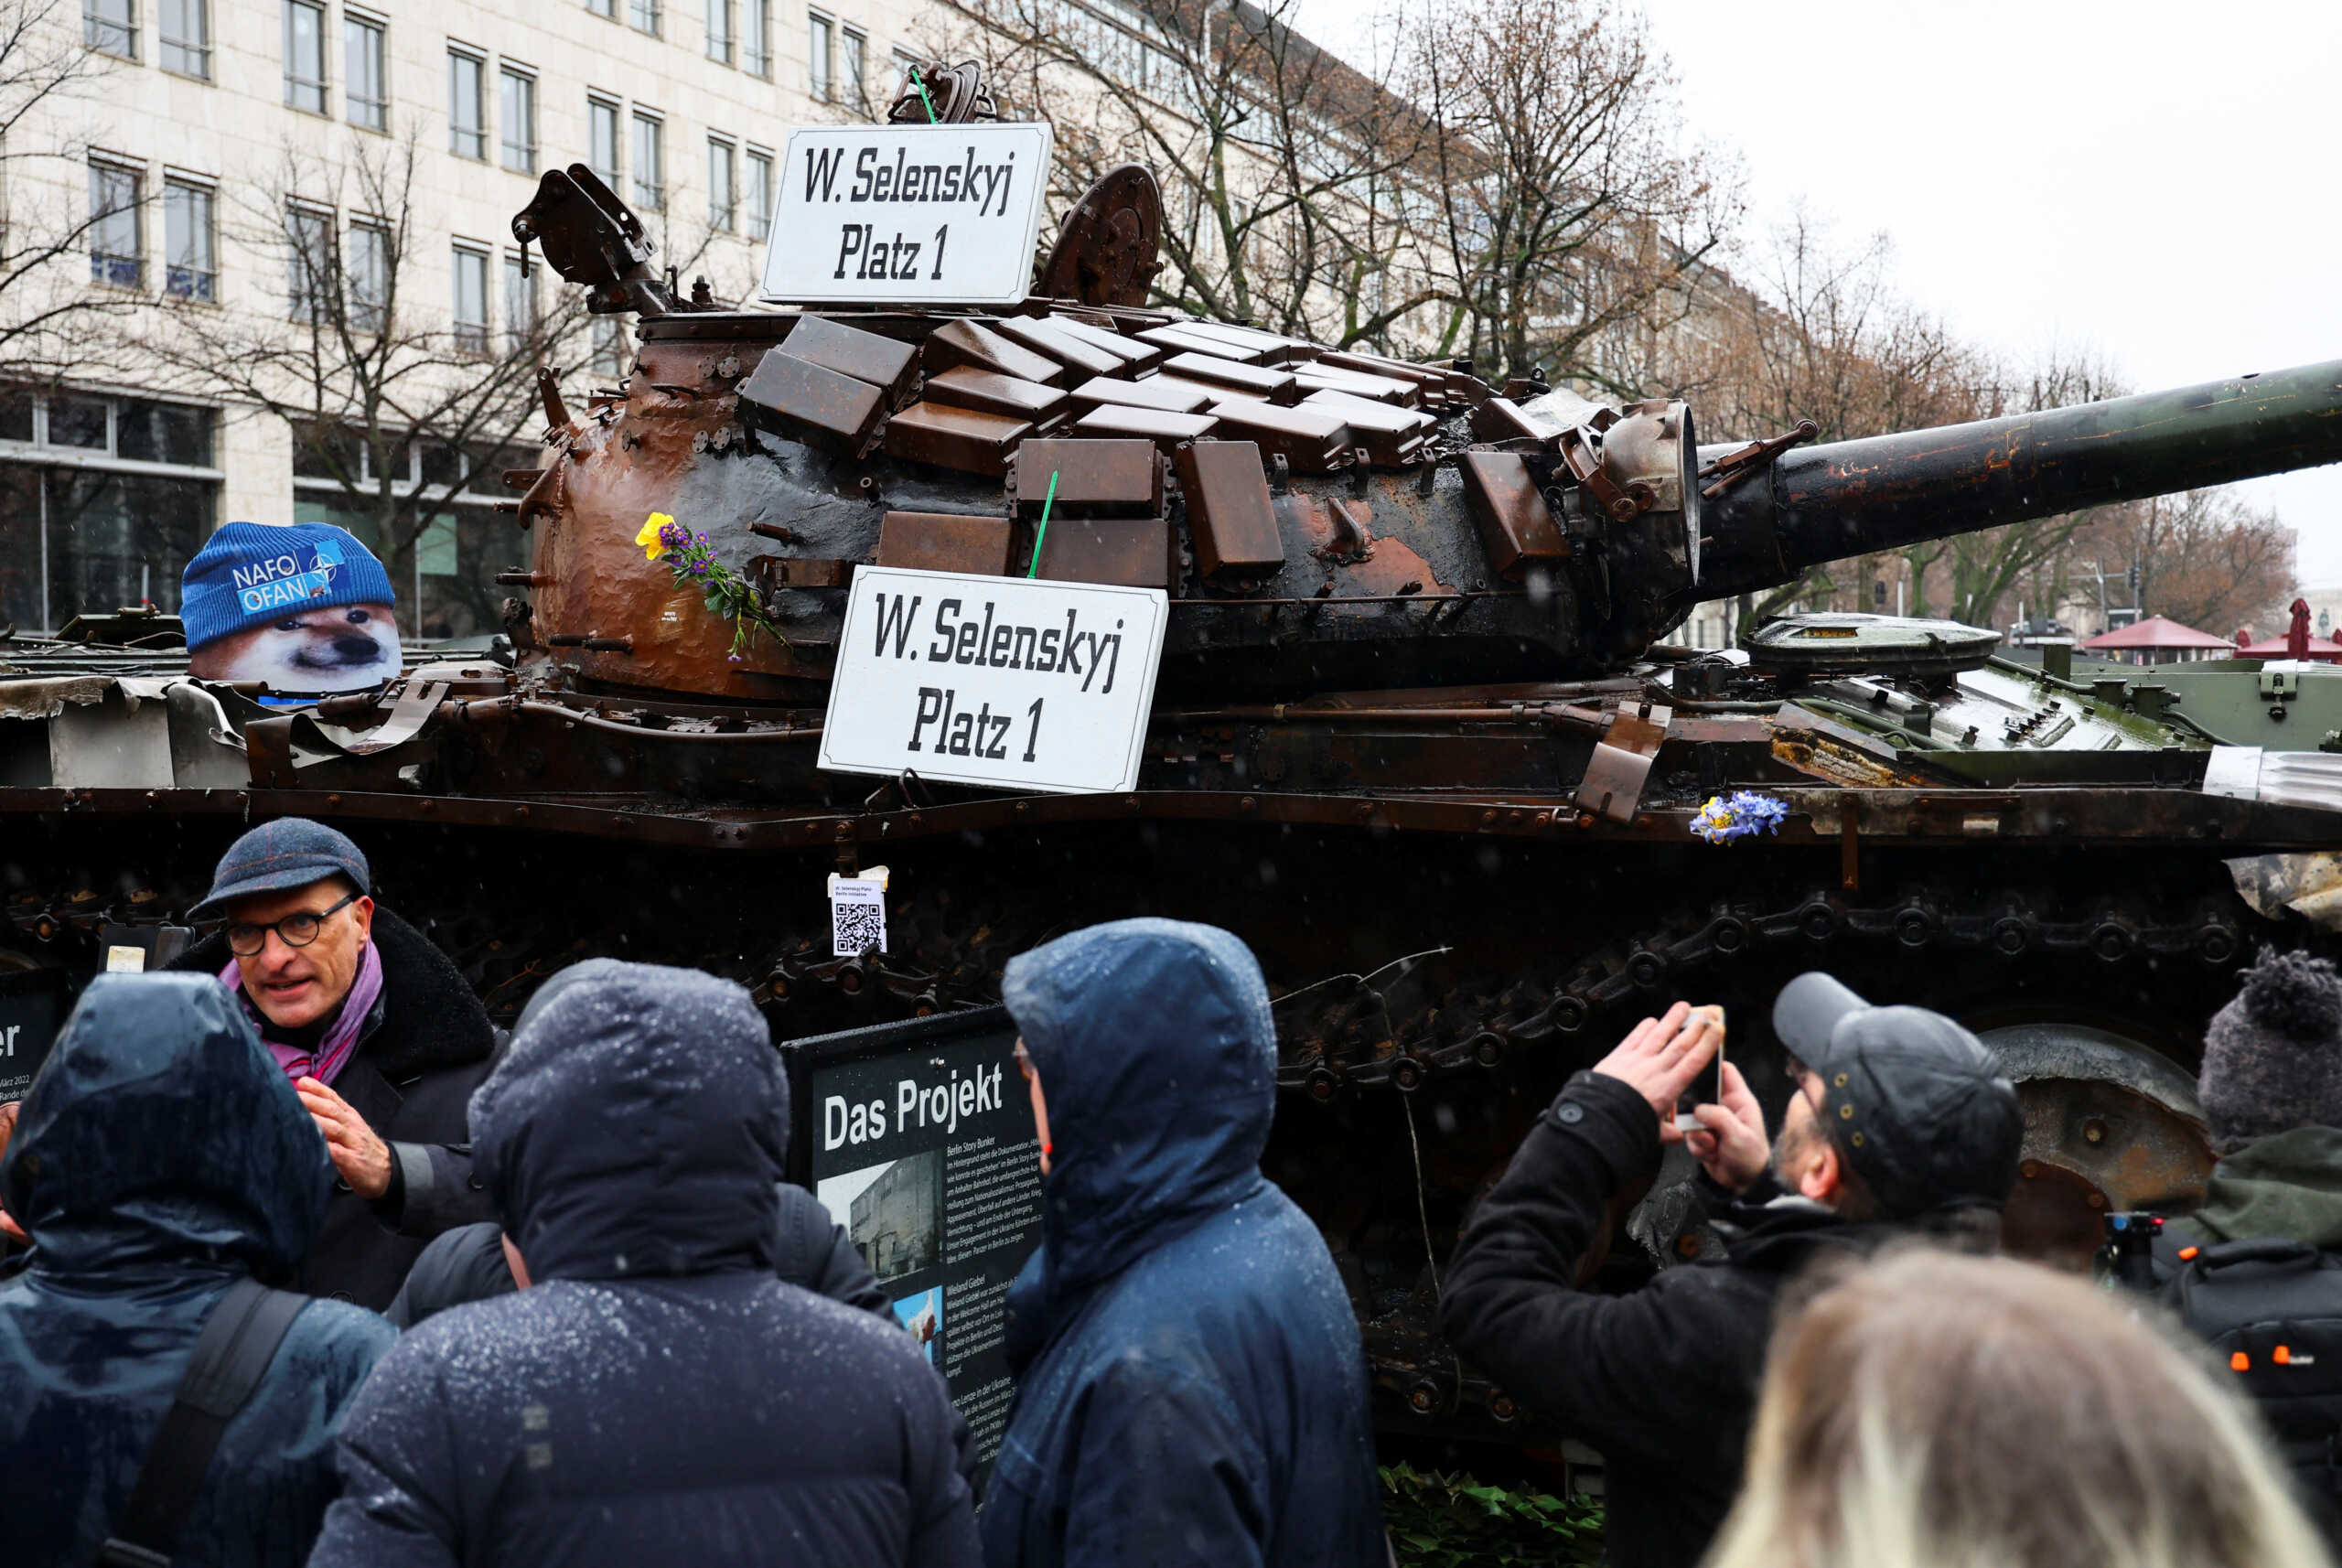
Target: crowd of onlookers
(309, 1263)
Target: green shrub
(1452, 1521)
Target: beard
(1789, 1151)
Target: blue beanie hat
(249, 573)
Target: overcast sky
(2156, 179)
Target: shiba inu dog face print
(304, 608)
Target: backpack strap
(231, 1354)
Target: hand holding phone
(1708, 1087)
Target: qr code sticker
(857, 919)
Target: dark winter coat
(810, 1248)
(161, 1157)
(656, 1395)
(427, 1047)
(1191, 1387)
(1662, 1382)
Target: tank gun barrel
(1882, 492)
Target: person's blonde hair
(1930, 1411)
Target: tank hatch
(1849, 644)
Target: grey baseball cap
(1915, 1103)
(291, 852)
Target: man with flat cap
(1900, 1124)
(381, 1038)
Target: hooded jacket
(656, 1395)
(1662, 1380)
(416, 1064)
(1191, 1388)
(160, 1157)
(2288, 1184)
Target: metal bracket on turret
(1619, 503)
(1621, 762)
(593, 239)
(1734, 467)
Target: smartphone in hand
(1708, 1087)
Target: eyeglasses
(298, 930)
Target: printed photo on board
(303, 609)
(893, 1212)
(922, 1315)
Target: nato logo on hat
(307, 608)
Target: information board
(1011, 682)
(906, 214)
(918, 1139)
(32, 1009)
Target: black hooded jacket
(656, 1395)
(161, 1157)
(1662, 1382)
(429, 1044)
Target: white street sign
(1008, 682)
(906, 214)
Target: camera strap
(231, 1354)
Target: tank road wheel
(2110, 1124)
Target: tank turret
(1319, 518)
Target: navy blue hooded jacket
(160, 1157)
(1191, 1387)
(656, 1395)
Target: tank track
(1358, 1039)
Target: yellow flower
(649, 537)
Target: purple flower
(732, 659)
(1743, 814)
(674, 536)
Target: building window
(850, 63)
(723, 185)
(719, 30)
(609, 356)
(643, 14)
(519, 103)
(650, 162)
(366, 83)
(370, 276)
(189, 271)
(103, 503)
(305, 56)
(755, 37)
(115, 242)
(603, 7)
(519, 302)
(602, 140)
(310, 262)
(461, 542)
(185, 26)
(760, 193)
(817, 81)
(471, 300)
(111, 27)
(467, 106)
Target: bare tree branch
(374, 386)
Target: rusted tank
(1417, 733)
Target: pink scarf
(331, 1053)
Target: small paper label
(125, 961)
(857, 916)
